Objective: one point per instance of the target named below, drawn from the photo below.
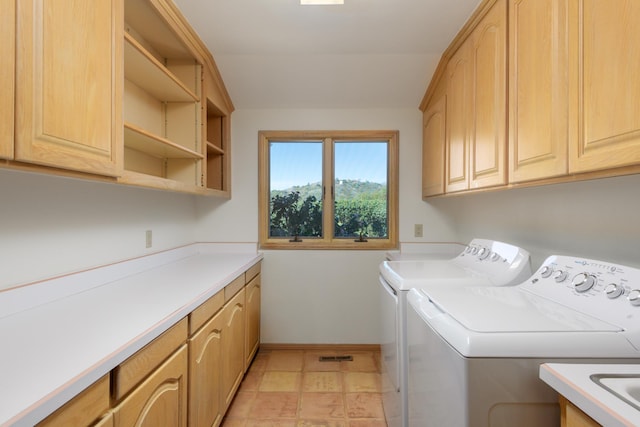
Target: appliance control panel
(489, 251)
(607, 291)
(505, 263)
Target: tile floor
(292, 388)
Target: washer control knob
(546, 271)
(613, 290)
(495, 257)
(583, 282)
(560, 276)
(634, 297)
(468, 249)
(474, 250)
(484, 253)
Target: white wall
(51, 225)
(319, 296)
(596, 219)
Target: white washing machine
(474, 352)
(482, 262)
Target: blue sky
(300, 163)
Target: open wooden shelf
(214, 149)
(140, 140)
(145, 71)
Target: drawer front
(232, 288)
(137, 367)
(83, 409)
(253, 272)
(203, 313)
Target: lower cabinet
(186, 376)
(233, 347)
(205, 368)
(106, 421)
(222, 347)
(572, 416)
(252, 334)
(161, 400)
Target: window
(322, 190)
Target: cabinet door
(459, 80)
(106, 421)
(539, 122)
(205, 368)
(7, 75)
(252, 335)
(233, 347)
(161, 400)
(433, 143)
(608, 84)
(488, 136)
(69, 84)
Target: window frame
(391, 137)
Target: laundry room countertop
(61, 335)
(575, 383)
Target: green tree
(360, 211)
(291, 216)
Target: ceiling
(363, 54)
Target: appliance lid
(404, 275)
(508, 309)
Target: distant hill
(345, 188)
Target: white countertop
(574, 382)
(68, 332)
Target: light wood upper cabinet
(573, 96)
(217, 120)
(607, 82)
(540, 121)
(433, 143)
(7, 75)
(489, 129)
(112, 90)
(476, 105)
(68, 84)
(459, 102)
(162, 100)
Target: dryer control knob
(613, 290)
(546, 271)
(634, 297)
(583, 282)
(560, 276)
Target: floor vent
(336, 358)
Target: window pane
(295, 189)
(361, 206)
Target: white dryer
(474, 352)
(482, 262)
